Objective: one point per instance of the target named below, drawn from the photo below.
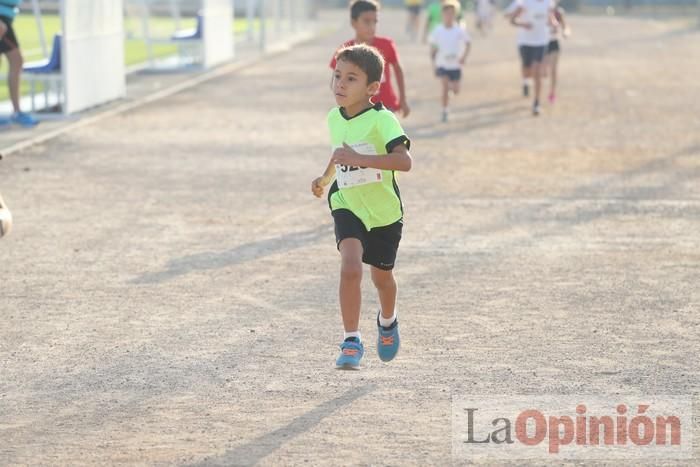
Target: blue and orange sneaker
(351, 352)
(388, 340)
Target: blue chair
(188, 41)
(47, 71)
(49, 65)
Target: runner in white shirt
(551, 59)
(484, 15)
(508, 13)
(534, 18)
(449, 47)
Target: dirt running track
(169, 289)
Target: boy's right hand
(317, 186)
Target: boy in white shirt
(449, 47)
(534, 18)
(484, 15)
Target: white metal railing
(267, 21)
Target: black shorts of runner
(8, 42)
(452, 75)
(414, 9)
(379, 244)
(531, 54)
(553, 46)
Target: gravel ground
(170, 291)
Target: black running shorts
(380, 244)
(553, 46)
(531, 54)
(8, 42)
(452, 75)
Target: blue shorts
(452, 75)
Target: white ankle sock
(352, 334)
(386, 322)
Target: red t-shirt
(387, 48)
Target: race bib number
(355, 176)
(450, 59)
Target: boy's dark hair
(360, 6)
(366, 57)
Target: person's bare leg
(15, 60)
(455, 87)
(536, 74)
(386, 289)
(412, 25)
(3, 31)
(444, 82)
(554, 63)
(445, 92)
(527, 75)
(544, 69)
(350, 281)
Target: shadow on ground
(256, 449)
(233, 256)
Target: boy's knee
(384, 280)
(351, 270)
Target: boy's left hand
(345, 156)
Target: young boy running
(484, 15)
(525, 72)
(364, 19)
(533, 18)
(412, 26)
(369, 146)
(449, 47)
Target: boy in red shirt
(363, 18)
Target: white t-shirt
(535, 12)
(450, 44)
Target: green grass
(134, 47)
